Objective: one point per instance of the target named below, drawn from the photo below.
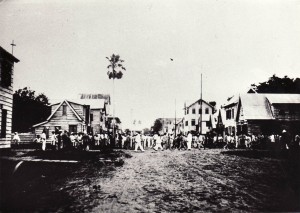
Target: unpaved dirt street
(195, 181)
(163, 181)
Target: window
(200, 111)
(206, 111)
(6, 71)
(187, 111)
(193, 122)
(193, 111)
(64, 112)
(73, 128)
(186, 123)
(92, 117)
(232, 113)
(228, 114)
(3, 123)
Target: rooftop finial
(12, 47)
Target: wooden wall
(6, 101)
(58, 119)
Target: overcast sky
(62, 47)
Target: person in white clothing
(189, 141)
(43, 138)
(138, 143)
(16, 138)
(157, 142)
(53, 140)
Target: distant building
(7, 61)
(197, 119)
(168, 125)
(258, 113)
(99, 110)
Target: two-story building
(7, 61)
(228, 115)
(99, 110)
(198, 117)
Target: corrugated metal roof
(94, 103)
(283, 98)
(256, 107)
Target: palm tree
(115, 71)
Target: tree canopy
(28, 109)
(277, 85)
(157, 125)
(115, 67)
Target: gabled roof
(255, 107)
(52, 114)
(233, 100)
(93, 103)
(8, 55)
(199, 101)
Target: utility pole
(201, 107)
(12, 47)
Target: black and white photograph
(149, 106)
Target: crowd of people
(138, 141)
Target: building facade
(262, 114)
(66, 115)
(7, 61)
(198, 117)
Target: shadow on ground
(48, 187)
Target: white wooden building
(198, 117)
(7, 61)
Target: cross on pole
(12, 47)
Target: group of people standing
(198, 141)
(64, 140)
(84, 141)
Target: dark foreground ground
(168, 181)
